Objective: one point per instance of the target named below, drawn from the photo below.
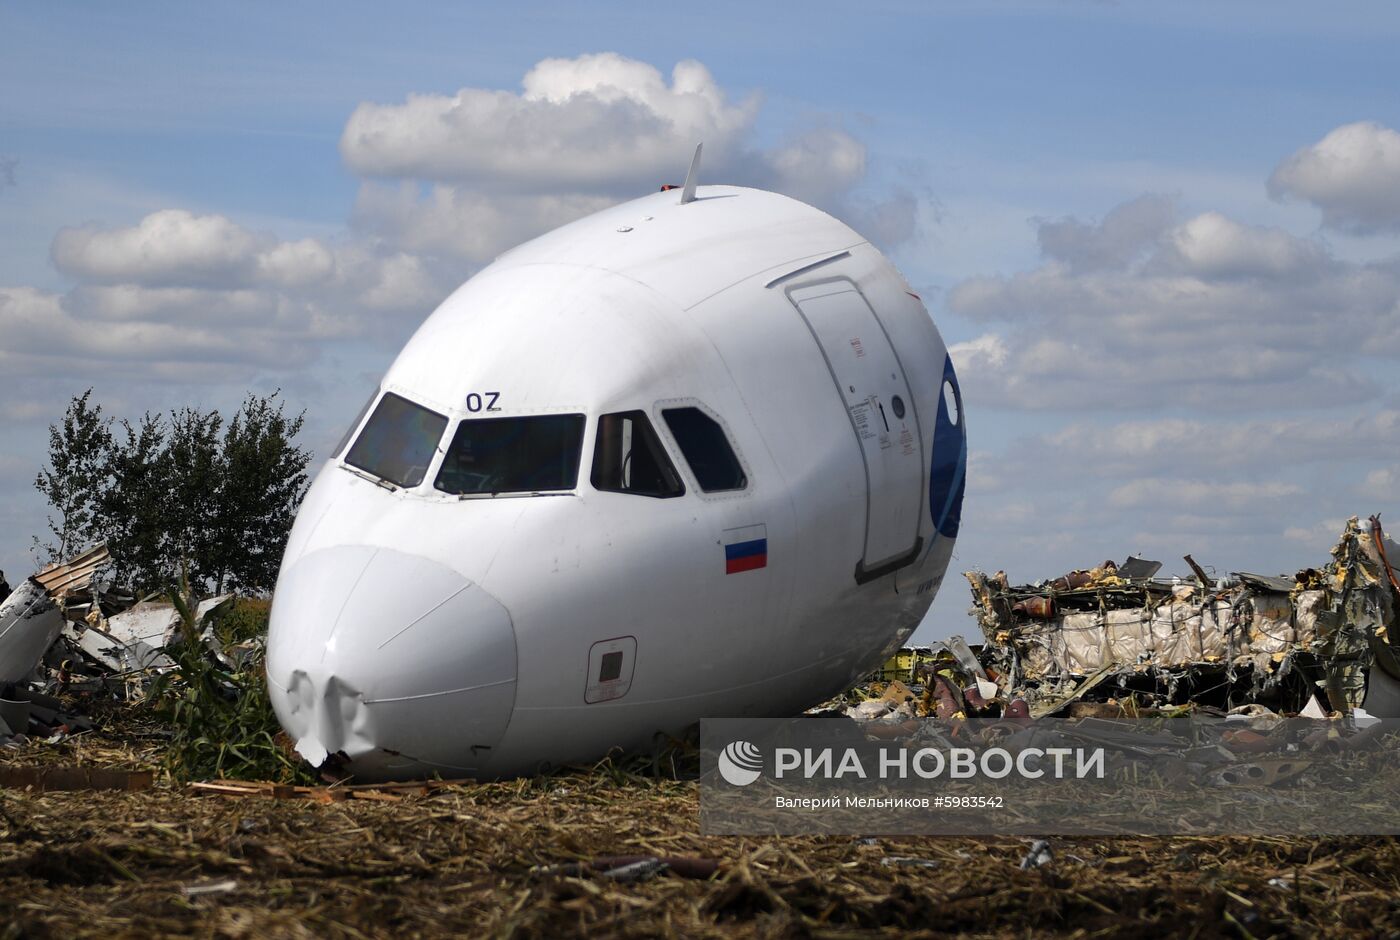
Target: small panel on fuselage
(610, 665)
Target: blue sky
(1164, 239)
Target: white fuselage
(417, 631)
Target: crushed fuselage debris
(1227, 641)
(63, 631)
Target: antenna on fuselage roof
(688, 191)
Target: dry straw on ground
(464, 862)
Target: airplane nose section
(399, 663)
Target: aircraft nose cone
(399, 663)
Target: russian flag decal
(745, 548)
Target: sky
(1161, 240)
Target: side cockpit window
(706, 449)
(398, 441)
(512, 455)
(355, 425)
(628, 458)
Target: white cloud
(1181, 446)
(1382, 484)
(887, 222)
(171, 246)
(398, 282)
(1209, 312)
(1352, 175)
(1211, 245)
(38, 333)
(185, 294)
(200, 298)
(580, 134)
(1217, 497)
(1123, 235)
(985, 353)
(597, 120)
(820, 164)
(1320, 535)
(984, 474)
(1008, 515)
(21, 410)
(295, 264)
(174, 263)
(462, 222)
(193, 306)
(176, 248)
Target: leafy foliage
(194, 480)
(245, 619)
(178, 486)
(263, 481)
(135, 500)
(220, 718)
(76, 476)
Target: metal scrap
(633, 867)
(1239, 681)
(64, 578)
(32, 615)
(1247, 637)
(63, 632)
(908, 861)
(1039, 855)
(29, 623)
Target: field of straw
(495, 860)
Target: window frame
(670, 464)
(724, 435)
(352, 432)
(432, 487)
(434, 459)
(673, 443)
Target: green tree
(134, 504)
(175, 487)
(196, 477)
(76, 479)
(264, 478)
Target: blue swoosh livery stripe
(948, 464)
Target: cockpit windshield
(513, 455)
(398, 441)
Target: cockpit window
(513, 455)
(629, 458)
(355, 425)
(706, 448)
(398, 441)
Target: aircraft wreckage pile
(1318, 643)
(1242, 681)
(64, 633)
(1248, 638)
(1323, 640)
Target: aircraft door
(868, 374)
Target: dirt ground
(168, 861)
